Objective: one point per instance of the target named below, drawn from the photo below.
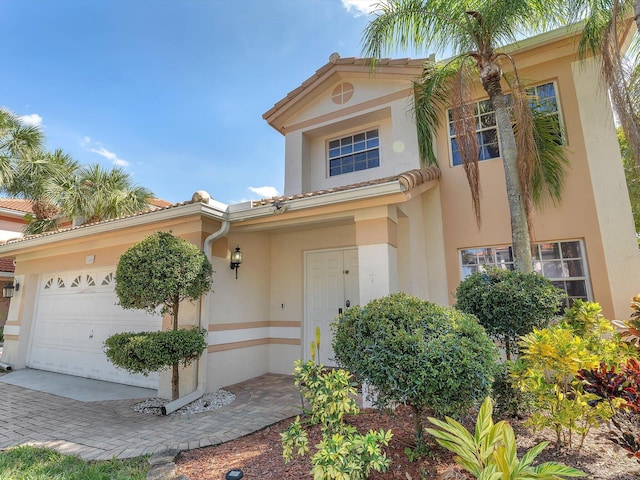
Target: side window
(543, 100)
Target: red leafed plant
(620, 389)
(630, 329)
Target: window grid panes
(354, 153)
(561, 262)
(543, 99)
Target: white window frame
(538, 264)
(344, 155)
(478, 114)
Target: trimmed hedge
(146, 352)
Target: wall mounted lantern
(8, 289)
(236, 260)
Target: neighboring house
(360, 218)
(12, 221)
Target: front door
(331, 285)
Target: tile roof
(408, 180)
(16, 204)
(85, 225)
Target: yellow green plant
(551, 359)
(491, 452)
(343, 453)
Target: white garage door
(75, 313)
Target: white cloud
(85, 141)
(265, 192)
(33, 119)
(360, 7)
(109, 156)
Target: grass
(31, 463)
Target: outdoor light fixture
(234, 474)
(8, 289)
(236, 260)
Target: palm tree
(474, 30)
(32, 175)
(17, 140)
(94, 194)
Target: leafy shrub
(146, 352)
(620, 388)
(509, 304)
(343, 453)
(159, 273)
(509, 400)
(1, 334)
(415, 352)
(551, 360)
(491, 452)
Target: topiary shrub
(146, 352)
(156, 275)
(509, 304)
(418, 353)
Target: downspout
(204, 323)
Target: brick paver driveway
(102, 430)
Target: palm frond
(464, 126)
(528, 158)
(432, 97)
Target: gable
(320, 95)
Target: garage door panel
(76, 312)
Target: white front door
(331, 285)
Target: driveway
(110, 428)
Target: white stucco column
(377, 240)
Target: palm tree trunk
(519, 225)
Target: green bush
(509, 400)
(509, 304)
(1, 334)
(551, 359)
(418, 353)
(146, 352)
(156, 275)
(343, 452)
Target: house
(360, 218)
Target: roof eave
(156, 216)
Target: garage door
(75, 313)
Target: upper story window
(354, 152)
(543, 100)
(561, 262)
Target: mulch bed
(259, 455)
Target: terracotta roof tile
(47, 234)
(17, 204)
(408, 180)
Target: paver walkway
(103, 430)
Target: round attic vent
(342, 93)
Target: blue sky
(171, 90)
